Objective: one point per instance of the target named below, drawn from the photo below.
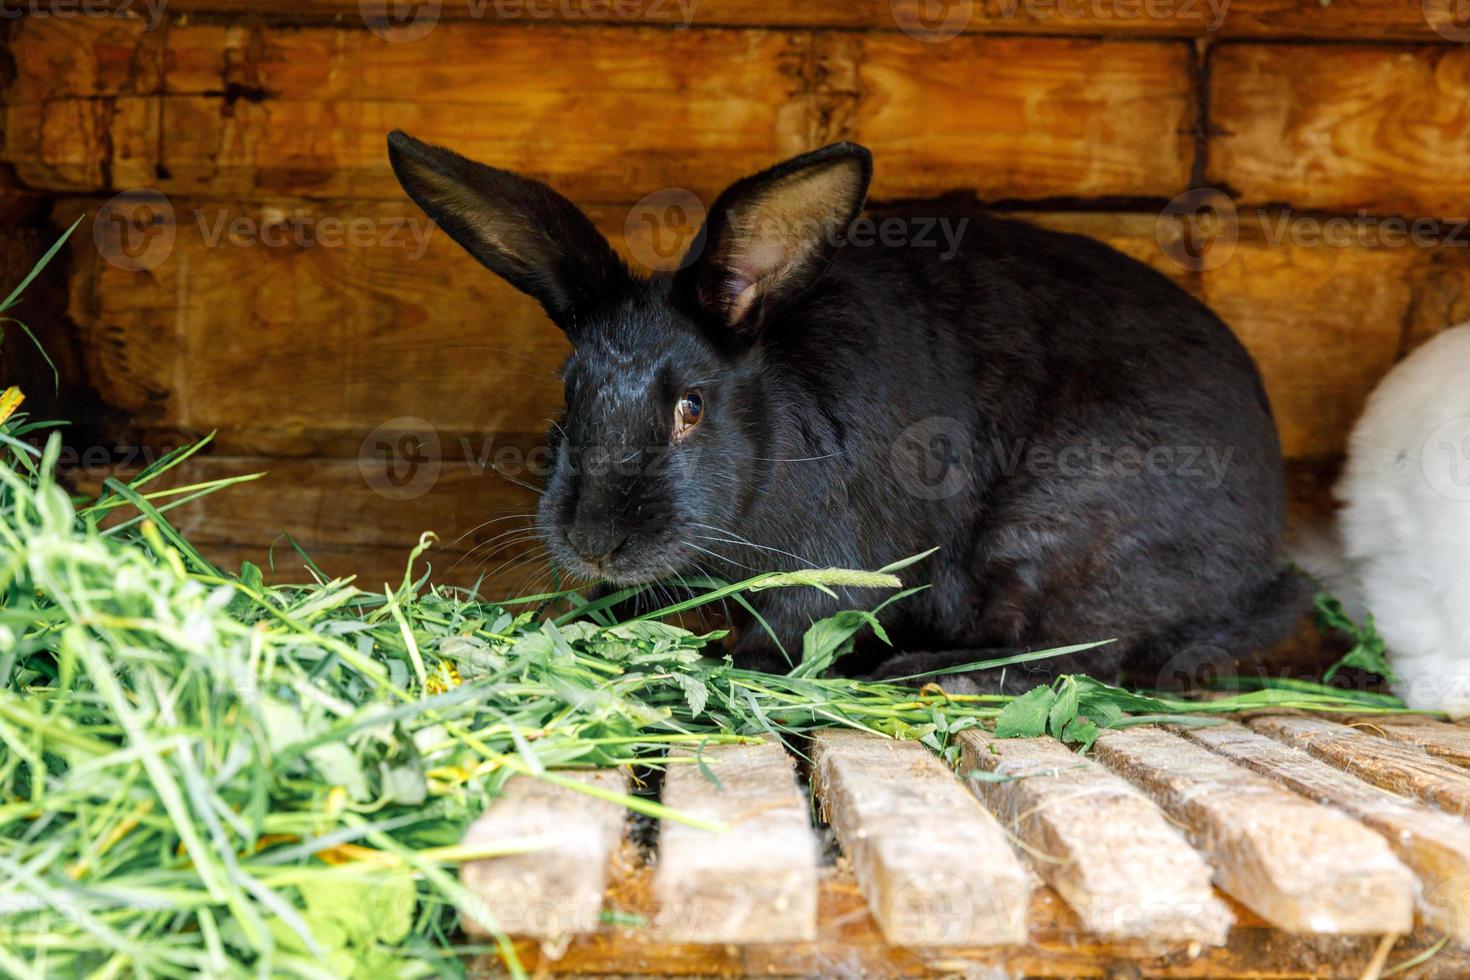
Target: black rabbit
(1088, 446)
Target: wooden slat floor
(1318, 871)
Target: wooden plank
(375, 565)
(1435, 846)
(403, 325)
(757, 881)
(850, 944)
(1301, 866)
(479, 518)
(1366, 19)
(1341, 128)
(1394, 766)
(1297, 307)
(1106, 849)
(1293, 301)
(1115, 118)
(1450, 742)
(398, 336)
(605, 113)
(937, 869)
(556, 889)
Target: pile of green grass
(203, 773)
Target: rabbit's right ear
(770, 236)
(519, 228)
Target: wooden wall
(250, 121)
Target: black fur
(869, 403)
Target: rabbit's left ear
(519, 228)
(770, 236)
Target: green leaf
(1064, 708)
(831, 638)
(1368, 652)
(903, 563)
(1080, 731)
(695, 692)
(1026, 716)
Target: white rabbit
(1405, 521)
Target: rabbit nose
(595, 540)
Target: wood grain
(755, 882)
(1301, 866)
(606, 114)
(1450, 742)
(1365, 19)
(1105, 848)
(1395, 766)
(1434, 845)
(1017, 118)
(1339, 128)
(555, 889)
(289, 344)
(936, 868)
(849, 943)
(329, 502)
(1297, 302)
(212, 337)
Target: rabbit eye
(688, 413)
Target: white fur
(1405, 520)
